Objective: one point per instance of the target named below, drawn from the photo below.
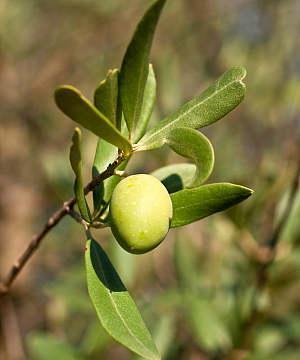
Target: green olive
(140, 213)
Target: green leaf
(164, 335)
(124, 262)
(106, 96)
(208, 328)
(213, 104)
(79, 109)
(135, 66)
(186, 260)
(106, 153)
(45, 347)
(190, 205)
(192, 144)
(147, 107)
(76, 163)
(114, 306)
(175, 177)
(106, 100)
(103, 192)
(291, 230)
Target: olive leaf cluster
(119, 116)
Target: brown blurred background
(51, 42)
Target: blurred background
(205, 292)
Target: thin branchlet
(54, 219)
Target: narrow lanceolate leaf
(213, 104)
(106, 96)
(106, 101)
(135, 66)
(79, 109)
(186, 261)
(192, 144)
(190, 205)
(76, 163)
(114, 306)
(147, 107)
(106, 153)
(207, 325)
(175, 177)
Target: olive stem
(120, 173)
(53, 220)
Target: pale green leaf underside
(147, 107)
(105, 154)
(135, 66)
(175, 177)
(213, 104)
(190, 205)
(76, 163)
(106, 100)
(106, 96)
(114, 306)
(192, 144)
(79, 109)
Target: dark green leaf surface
(135, 66)
(190, 205)
(175, 177)
(76, 163)
(192, 144)
(147, 107)
(114, 306)
(106, 96)
(79, 109)
(213, 104)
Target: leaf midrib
(116, 307)
(172, 123)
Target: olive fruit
(140, 213)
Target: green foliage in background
(200, 302)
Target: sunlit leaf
(79, 109)
(213, 104)
(76, 162)
(114, 306)
(106, 96)
(192, 144)
(190, 205)
(135, 66)
(147, 107)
